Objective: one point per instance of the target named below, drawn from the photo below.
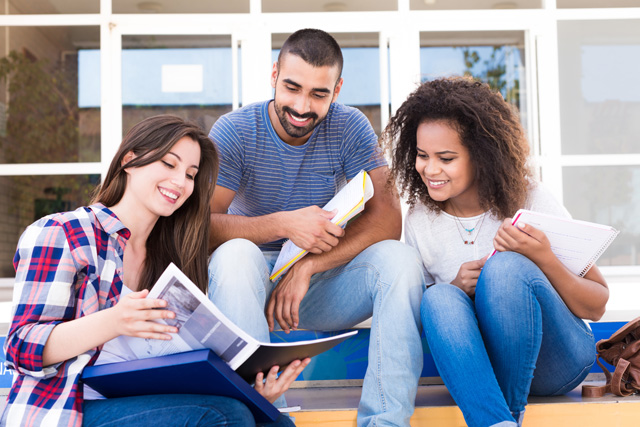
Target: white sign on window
(182, 78)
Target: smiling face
(445, 166)
(161, 187)
(303, 95)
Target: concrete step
(336, 407)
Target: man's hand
(274, 386)
(467, 277)
(286, 297)
(311, 229)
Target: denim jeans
(171, 410)
(384, 281)
(517, 338)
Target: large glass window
(188, 76)
(599, 93)
(608, 195)
(599, 111)
(41, 119)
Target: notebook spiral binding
(595, 257)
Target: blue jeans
(171, 410)
(518, 338)
(384, 281)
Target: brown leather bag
(622, 350)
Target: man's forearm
(310, 228)
(259, 229)
(380, 220)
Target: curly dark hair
(488, 127)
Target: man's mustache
(301, 116)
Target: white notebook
(349, 202)
(577, 244)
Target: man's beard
(290, 129)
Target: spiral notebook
(577, 244)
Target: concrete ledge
(435, 407)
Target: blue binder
(193, 372)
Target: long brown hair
(182, 237)
(487, 126)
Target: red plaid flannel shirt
(68, 265)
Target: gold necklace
(477, 225)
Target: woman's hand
(134, 316)
(274, 386)
(585, 296)
(467, 276)
(525, 240)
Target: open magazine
(202, 325)
(349, 202)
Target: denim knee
(503, 273)
(397, 262)
(442, 293)
(506, 264)
(235, 251)
(442, 298)
(239, 264)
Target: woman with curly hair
(503, 328)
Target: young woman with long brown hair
(82, 278)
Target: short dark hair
(488, 127)
(315, 47)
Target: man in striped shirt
(280, 160)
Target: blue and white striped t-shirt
(269, 175)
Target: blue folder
(193, 372)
